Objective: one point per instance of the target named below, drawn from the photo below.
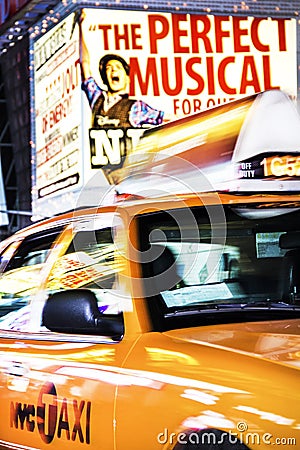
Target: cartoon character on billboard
(111, 106)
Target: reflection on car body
(200, 326)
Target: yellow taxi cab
(165, 322)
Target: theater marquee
(177, 64)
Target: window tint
(196, 263)
(91, 262)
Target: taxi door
(58, 388)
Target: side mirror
(76, 311)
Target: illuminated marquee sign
(186, 63)
(58, 154)
(137, 71)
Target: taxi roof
(135, 207)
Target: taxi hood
(277, 341)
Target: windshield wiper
(232, 307)
(269, 304)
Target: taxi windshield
(222, 258)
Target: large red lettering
(135, 37)
(154, 34)
(195, 76)
(105, 40)
(255, 36)
(165, 76)
(151, 72)
(220, 33)
(249, 67)
(221, 75)
(121, 36)
(200, 34)
(210, 75)
(281, 34)
(178, 32)
(267, 73)
(238, 32)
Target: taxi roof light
(247, 145)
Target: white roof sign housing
(252, 144)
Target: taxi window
(209, 265)
(21, 278)
(90, 262)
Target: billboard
(57, 121)
(101, 77)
